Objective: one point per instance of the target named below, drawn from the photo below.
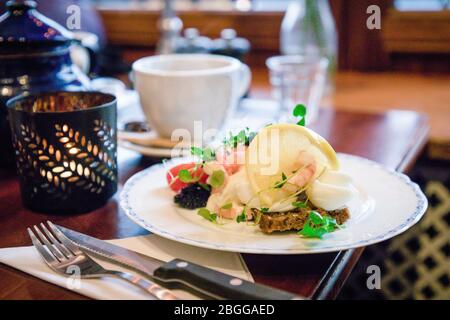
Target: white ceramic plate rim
(413, 218)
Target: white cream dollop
(236, 190)
(332, 190)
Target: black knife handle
(188, 275)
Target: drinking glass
(297, 79)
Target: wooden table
(379, 92)
(382, 91)
(394, 139)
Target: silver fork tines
(62, 255)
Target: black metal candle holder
(66, 150)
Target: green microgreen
(280, 184)
(244, 137)
(205, 213)
(300, 112)
(317, 225)
(205, 154)
(243, 216)
(299, 204)
(217, 178)
(186, 176)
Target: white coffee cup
(177, 91)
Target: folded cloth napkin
(28, 260)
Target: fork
(62, 256)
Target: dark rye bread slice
(295, 219)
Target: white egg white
(331, 191)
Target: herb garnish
(317, 225)
(205, 213)
(205, 154)
(300, 111)
(244, 137)
(242, 217)
(299, 204)
(280, 184)
(216, 179)
(186, 176)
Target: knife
(179, 273)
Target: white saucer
(153, 151)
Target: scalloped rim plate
(388, 203)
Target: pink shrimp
(231, 159)
(227, 213)
(232, 212)
(307, 170)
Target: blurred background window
(422, 5)
(242, 5)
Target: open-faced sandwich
(285, 177)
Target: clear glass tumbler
(297, 79)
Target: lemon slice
(275, 152)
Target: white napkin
(28, 260)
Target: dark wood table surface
(394, 139)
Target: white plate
(388, 203)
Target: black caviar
(193, 196)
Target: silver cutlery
(180, 273)
(62, 255)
